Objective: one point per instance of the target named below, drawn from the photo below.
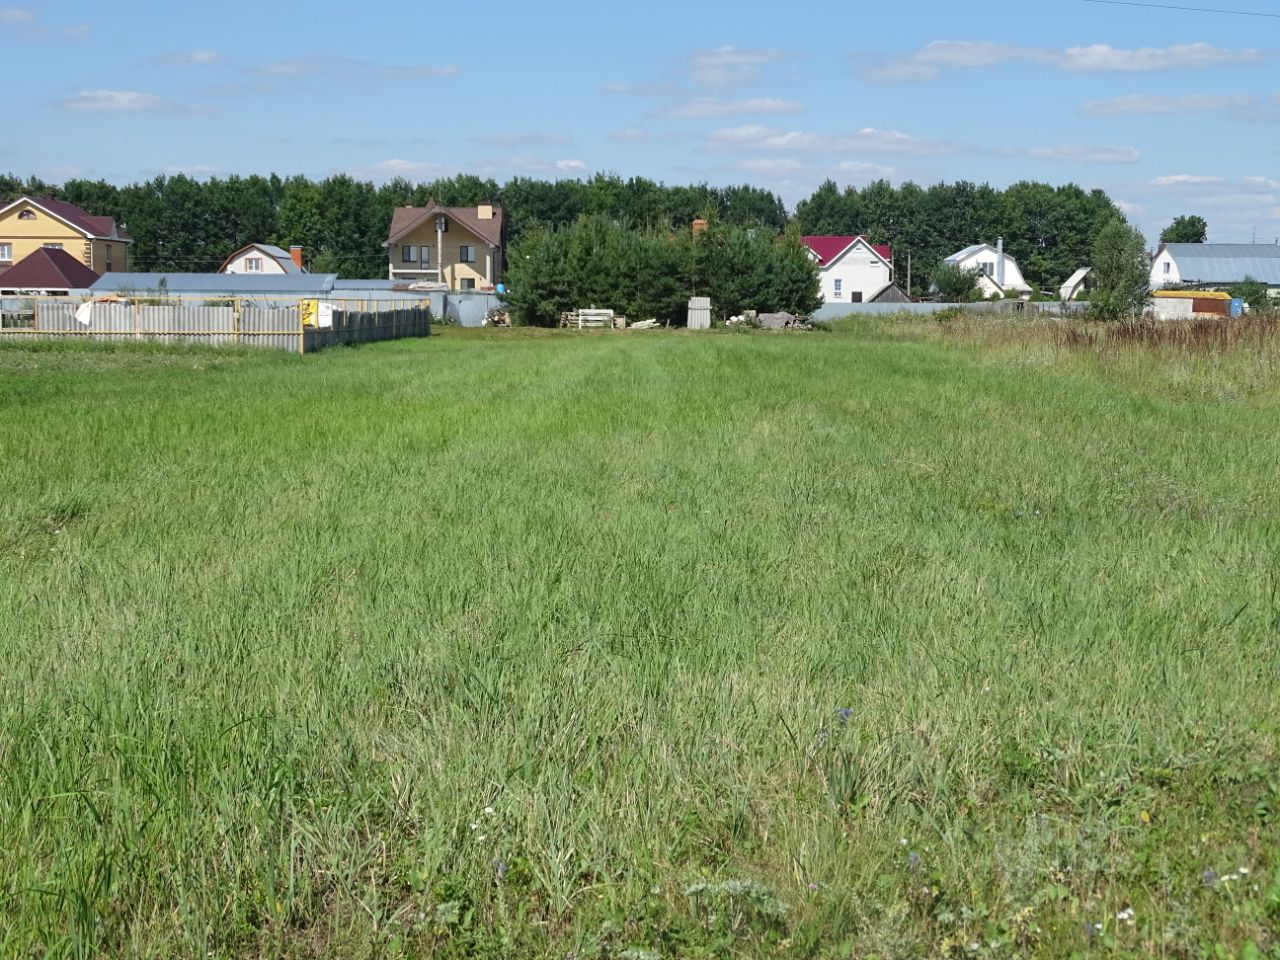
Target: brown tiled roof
(99, 227)
(406, 218)
(47, 269)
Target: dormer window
(27, 215)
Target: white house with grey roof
(1216, 264)
(998, 272)
(263, 259)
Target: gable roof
(1074, 283)
(971, 250)
(406, 218)
(98, 228)
(47, 269)
(282, 257)
(830, 249)
(1226, 262)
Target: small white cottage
(999, 273)
(263, 259)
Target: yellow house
(460, 247)
(27, 225)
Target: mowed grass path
(665, 645)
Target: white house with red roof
(852, 269)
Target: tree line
(183, 224)
(188, 225)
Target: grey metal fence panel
(273, 324)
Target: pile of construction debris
(497, 317)
(768, 321)
(783, 321)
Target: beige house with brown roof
(460, 247)
(28, 225)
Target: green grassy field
(904, 640)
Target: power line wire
(1166, 6)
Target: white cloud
(16, 16)
(1086, 153)
(400, 167)
(869, 171)
(770, 166)
(1130, 209)
(1102, 57)
(730, 66)
(1138, 104)
(639, 89)
(78, 32)
(867, 140)
(631, 135)
(192, 170)
(1266, 182)
(570, 166)
(715, 107)
(940, 55)
(116, 101)
(1183, 179)
(195, 58)
(937, 57)
(349, 67)
(520, 139)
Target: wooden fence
(299, 326)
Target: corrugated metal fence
(298, 326)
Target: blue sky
(1169, 111)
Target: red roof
(828, 248)
(102, 227)
(47, 269)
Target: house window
(839, 288)
(468, 283)
(53, 246)
(466, 254)
(27, 215)
(252, 264)
(6, 252)
(1167, 266)
(408, 253)
(988, 268)
(426, 256)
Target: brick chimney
(484, 211)
(296, 254)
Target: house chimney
(700, 226)
(1000, 261)
(296, 254)
(484, 211)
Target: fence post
(302, 332)
(35, 313)
(137, 320)
(235, 320)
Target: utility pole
(908, 273)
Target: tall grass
(637, 645)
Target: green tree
(1253, 292)
(956, 284)
(1185, 229)
(1121, 273)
